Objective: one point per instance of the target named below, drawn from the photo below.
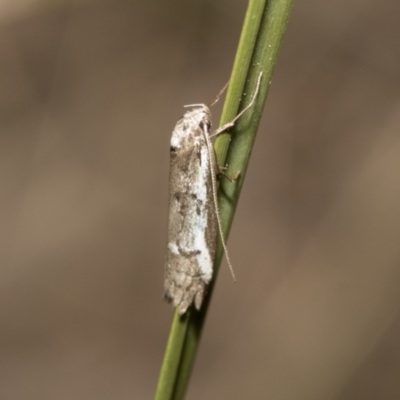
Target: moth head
(199, 113)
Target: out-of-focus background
(89, 94)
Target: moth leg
(222, 172)
(232, 123)
(226, 126)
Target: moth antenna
(214, 190)
(219, 95)
(194, 105)
(210, 149)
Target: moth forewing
(192, 221)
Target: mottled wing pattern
(192, 224)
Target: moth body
(193, 219)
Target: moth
(193, 218)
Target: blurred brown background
(90, 92)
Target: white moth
(193, 219)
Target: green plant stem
(234, 147)
(172, 356)
(261, 37)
